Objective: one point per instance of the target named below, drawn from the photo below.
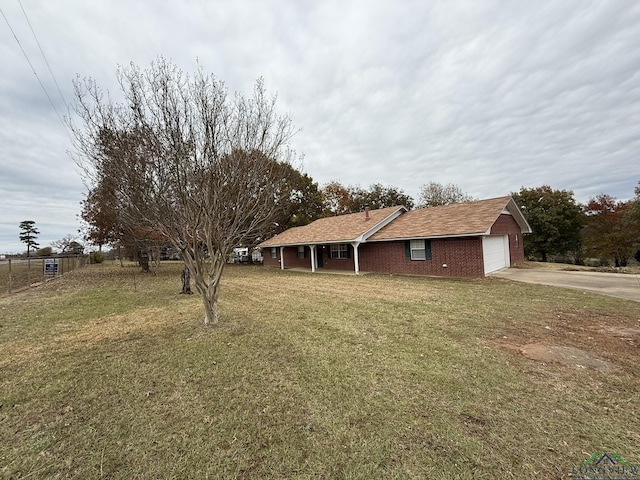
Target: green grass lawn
(108, 373)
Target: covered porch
(327, 257)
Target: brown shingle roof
(343, 228)
(448, 220)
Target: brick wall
(506, 225)
(337, 263)
(463, 257)
(291, 259)
(267, 261)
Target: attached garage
(495, 250)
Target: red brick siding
(267, 261)
(291, 259)
(337, 263)
(506, 225)
(463, 257)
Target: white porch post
(312, 248)
(356, 259)
(281, 258)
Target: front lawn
(108, 373)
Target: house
(460, 240)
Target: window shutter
(427, 249)
(407, 249)
(348, 252)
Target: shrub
(96, 257)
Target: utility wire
(35, 73)
(43, 55)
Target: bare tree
(435, 194)
(191, 164)
(68, 244)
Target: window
(418, 249)
(300, 251)
(274, 252)
(339, 251)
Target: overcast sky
(488, 95)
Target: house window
(300, 251)
(339, 251)
(274, 252)
(418, 249)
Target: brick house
(460, 240)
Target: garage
(495, 249)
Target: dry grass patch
(309, 376)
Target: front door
(319, 255)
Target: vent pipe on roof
(366, 212)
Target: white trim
(356, 258)
(380, 225)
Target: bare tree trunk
(207, 276)
(143, 261)
(186, 281)
(211, 303)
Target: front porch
(329, 257)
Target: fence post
(10, 279)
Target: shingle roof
(449, 220)
(460, 219)
(343, 228)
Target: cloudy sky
(488, 95)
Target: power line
(34, 72)
(43, 55)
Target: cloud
(490, 96)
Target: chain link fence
(20, 273)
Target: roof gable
(340, 229)
(459, 219)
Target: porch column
(312, 248)
(356, 259)
(281, 258)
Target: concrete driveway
(614, 284)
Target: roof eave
(429, 237)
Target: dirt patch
(564, 355)
(628, 334)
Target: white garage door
(496, 253)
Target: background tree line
(603, 230)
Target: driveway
(614, 284)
